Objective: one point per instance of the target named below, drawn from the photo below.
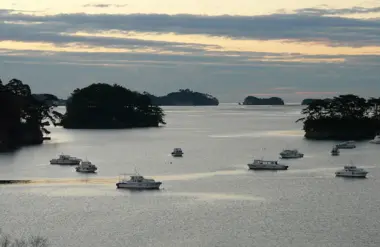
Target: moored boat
(375, 140)
(346, 145)
(138, 182)
(177, 152)
(352, 172)
(291, 154)
(335, 151)
(266, 165)
(86, 167)
(64, 159)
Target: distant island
(50, 99)
(307, 101)
(25, 116)
(251, 100)
(104, 106)
(347, 117)
(184, 97)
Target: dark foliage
(184, 97)
(347, 117)
(251, 100)
(307, 101)
(23, 116)
(102, 106)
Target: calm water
(208, 197)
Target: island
(346, 117)
(307, 101)
(104, 106)
(251, 100)
(24, 116)
(184, 97)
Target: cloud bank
(68, 50)
(331, 31)
(102, 5)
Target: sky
(231, 49)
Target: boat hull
(254, 167)
(374, 142)
(85, 171)
(151, 186)
(177, 155)
(71, 163)
(346, 147)
(361, 175)
(291, 157)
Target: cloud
(284, 88)
(47, 34)
(102, 5)
(331, 31)
(316, 93)
(343, 11)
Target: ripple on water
(215, 196)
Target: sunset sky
(291, 49)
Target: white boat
(352, 172)
(375, 140)
(177, 152)
(291, 154)
(138, 182)
(335, 151)
(266, 165)
(86, 167)
(64, 159)
(346, 145)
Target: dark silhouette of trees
(184, 97)
(251, 100)
(23, 116)
(344, 118)
(307, 101)
(102, 106)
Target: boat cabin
(137, 178)
(265, 162)
(350, 168)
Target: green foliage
(346, 116)
(104, 106)
(23, 115)
(184, 97)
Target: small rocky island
(24, 116)
(251, 100)
(184, 97)
(347, 117)
(104, 106)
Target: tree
(104, 106)
(23, 116)
(345, 116)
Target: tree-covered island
(184, 97)
(24, 116)
(307, 101)
(104, 106)
(251, 100)
(347, 117)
